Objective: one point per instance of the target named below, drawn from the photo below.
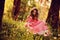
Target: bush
(16, 30)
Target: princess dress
(37, 26)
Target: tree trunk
(53, 15)
(1, 16)
(16, 8)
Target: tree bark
(1, 16)
(53, 15)
(16, 8)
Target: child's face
(34, 12)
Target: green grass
(16, 30)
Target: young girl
(36, 26)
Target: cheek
(34, 13)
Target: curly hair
(32, 15)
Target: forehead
(34, 10)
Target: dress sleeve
(28, 21)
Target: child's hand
(47, 33)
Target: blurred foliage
(26, 6)
(15, 30)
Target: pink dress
(36, 26)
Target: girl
(35, 25)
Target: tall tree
(16, 8)
(1, 15)
(53, 14)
